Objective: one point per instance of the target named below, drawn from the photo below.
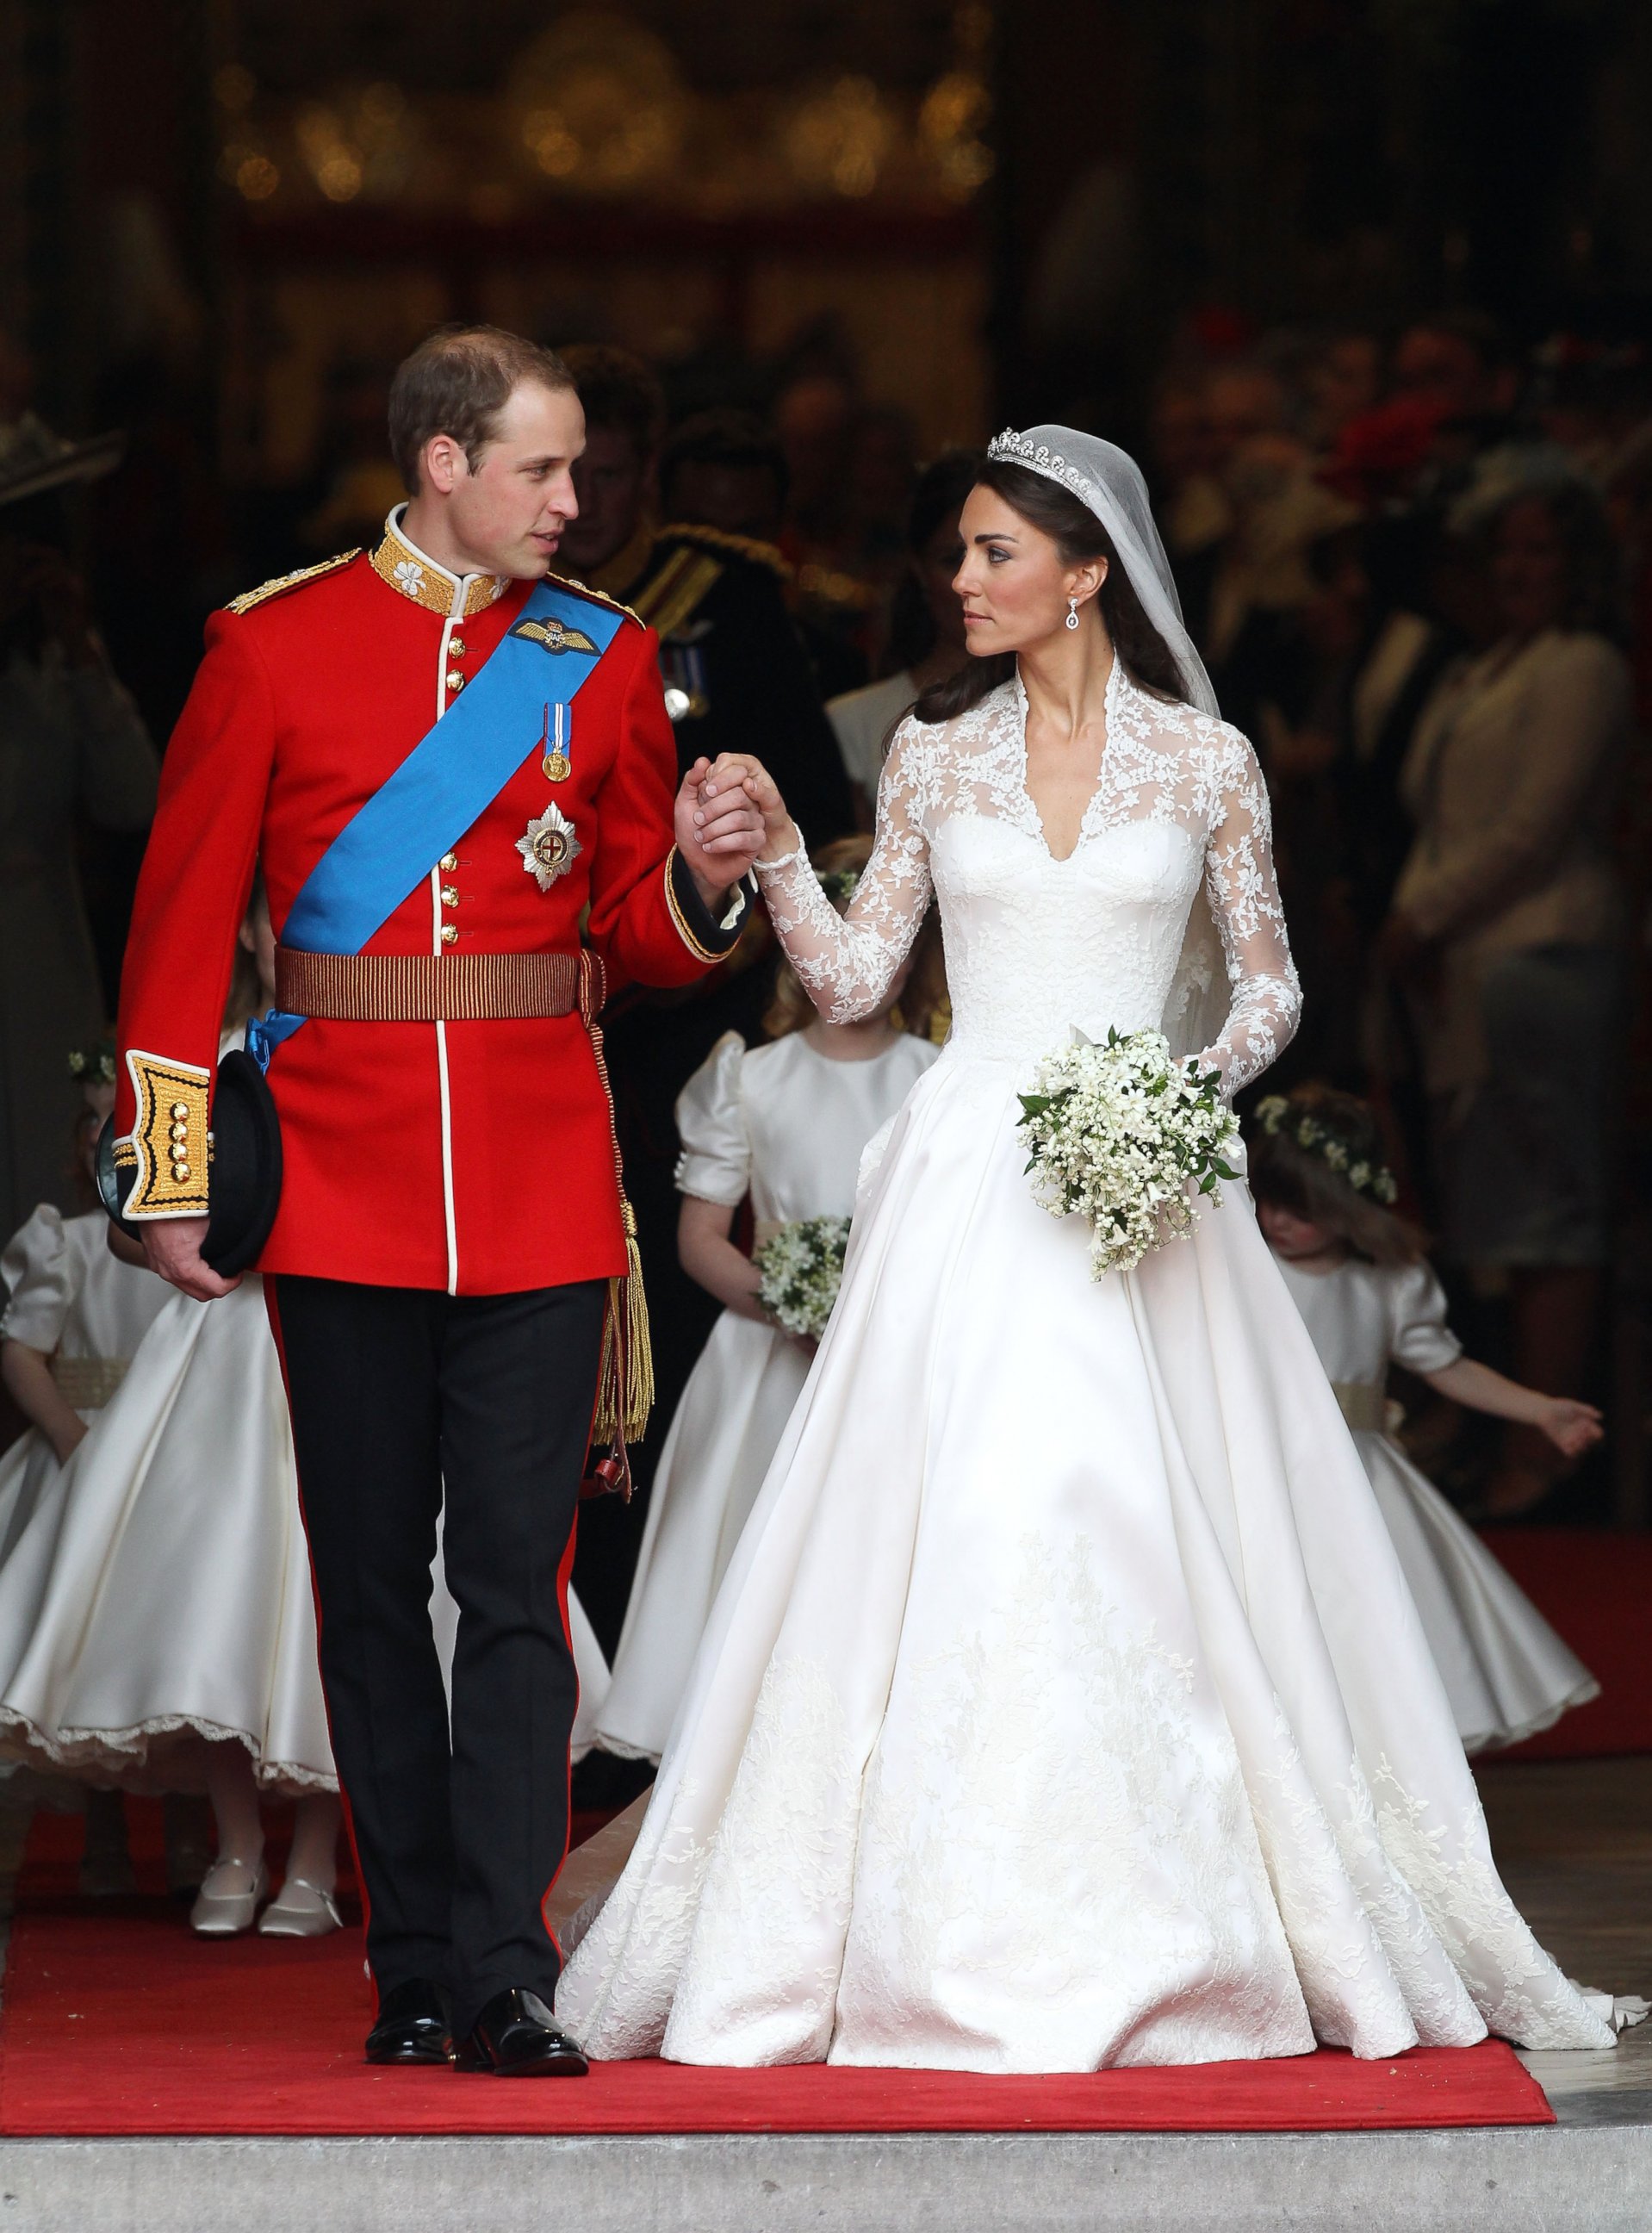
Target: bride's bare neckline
(1040, 822)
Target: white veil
(1108, 482)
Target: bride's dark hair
(1079, 537)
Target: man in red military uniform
(446, 762)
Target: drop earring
(1072, 612)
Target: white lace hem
(123, 1755)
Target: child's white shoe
(230, 1898)
(302, 1910)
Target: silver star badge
(550, 847)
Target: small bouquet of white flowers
(1129, 1138)
(800, 1269)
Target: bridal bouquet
(1128, 1137)
(801, 1268)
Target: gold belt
(1364, 1407)
(86, 1383)
(430, 988)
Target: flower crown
(93, 1066)
(1022, 450)
(1316, 1137)
(840, 885)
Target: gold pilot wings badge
(550, 847)
(554, 635)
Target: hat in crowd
(33, 459)
(1378, 453)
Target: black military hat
(245, 1190)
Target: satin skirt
(723, 1438)
(156, 1592)
(159, 1593)
(1064, 1704)
(26, 1472)
(1506, 1672)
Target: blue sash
(450, 777)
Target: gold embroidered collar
(412, 574)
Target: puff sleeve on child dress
(716, 1160)
(42, 1275)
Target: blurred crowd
(1419, 566)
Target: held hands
(718, 838)
(737, 774)
(172, 1246)
(1571, 1426)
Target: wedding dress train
(1064, 1704)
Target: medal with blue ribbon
(451, 776)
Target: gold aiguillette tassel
(627, 1373)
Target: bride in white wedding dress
(1064, 1705)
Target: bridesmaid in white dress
(1064, 1704)
(73, 1319)
(157, 1626)
(1368, 1299)
(785, 1123)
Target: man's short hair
(457, 382)
(738, 440)
(618, 391)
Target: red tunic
(473, 1156)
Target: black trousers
(401, 1399)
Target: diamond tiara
(1022, 450)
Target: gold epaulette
(670, 597)
(737, 546)
(833, 588)
(283, 583)
(596, 596)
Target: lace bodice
(1036, 944)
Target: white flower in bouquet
(1129, 1138)
(800, 1269)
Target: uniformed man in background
(737, 675)
(737, 678)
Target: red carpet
(117, 2020)
(1594, 1588)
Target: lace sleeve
(847, 962)
(1244, 895)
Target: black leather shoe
(414, 2024)
(516, 2036)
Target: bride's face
(1014, 584)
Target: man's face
(611, 479)
(508, 513)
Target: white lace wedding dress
(1064, 1704)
